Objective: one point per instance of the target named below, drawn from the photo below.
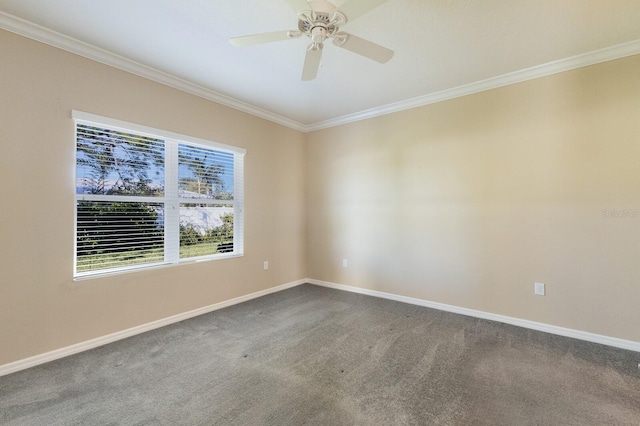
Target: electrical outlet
(266, 265)
(345, 263)
(539, 289)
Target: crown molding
(555, 67)
(61, 41)
(39, 33)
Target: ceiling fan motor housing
(321, 22)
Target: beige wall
(41, 307)
(469, 202)
(466, 202)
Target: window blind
(145, 197)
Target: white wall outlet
(345, 263)
(539, 289)
(266, 265)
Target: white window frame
(170, 198)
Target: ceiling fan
(320, 20)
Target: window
(146, 197)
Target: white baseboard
(100, 341)
(547, 328)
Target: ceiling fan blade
(250, 40)
(298, 5)
(363, 47)
(353, 9)
(312, 61)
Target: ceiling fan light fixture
(318, 34)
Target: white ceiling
(443, 48)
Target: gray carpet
(315, 356)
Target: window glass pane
(205, 229)
(204, 173)
(115, 163)
(118, 234)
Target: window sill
(156, 266)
